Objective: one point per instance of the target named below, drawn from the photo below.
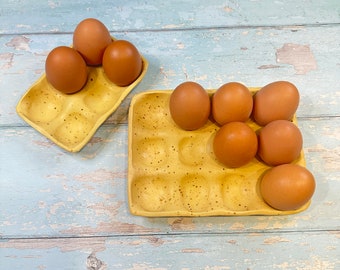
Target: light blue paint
(56, 208)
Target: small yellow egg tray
(173, 172)
(70, 121)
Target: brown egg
(66, 70)
(275, 101)
(90, 38)
(235, 144)
(279, 142)
(189, 106)
(122, 62)
(232, 102)
(287, 187)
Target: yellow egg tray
(173, 172)
(70, 121)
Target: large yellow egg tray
(70, 121)
(173, 172)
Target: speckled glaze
(173, 172)
(71, 120)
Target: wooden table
(61, 210)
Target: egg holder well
(173, 172)
(70, 120)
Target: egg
(287, 187)
(235, 144)
(189, 105)
(276, 101)
(122, 62)
(66, 70)
(280, 142)
(90, 38)
(232, 102)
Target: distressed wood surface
(60, 210)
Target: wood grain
(60, 210)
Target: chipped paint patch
(93, 244)
(274, 240)
(46, 144)
(179, 224)
(237, 226)
(300, 56)
(19, 43)
(7, 60)
(193, 250)
(228, 9)
(100, 175)
(108, 228)
(268, 66)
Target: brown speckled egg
(280, 142)
(122, 62)
(189, 105)
(287, 187)
(66, 70)
(232, 102)
(276, 101)
(90, 38)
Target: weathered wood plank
(47, 191)
(318, 250)
(63, 16)
(210, 57)
(69, 211)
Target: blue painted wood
(121, 15)
(60, 210)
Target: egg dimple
(195, 191)
(75, 127)
(42, 106)
(151, 193)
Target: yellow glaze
(173, 172)
(71, 120)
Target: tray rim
(187, 213)
(97, 124)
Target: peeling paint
(268, 66)
(100, 175)
(179, 224)
(228, 9)
(274, 240)
(7, 59)
(93, 244)
(300, 56)
(108, 208)
(108, 228)
(193, 250)
(237, 226)
(19, 43)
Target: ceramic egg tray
(71, 120)
(173, 172)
